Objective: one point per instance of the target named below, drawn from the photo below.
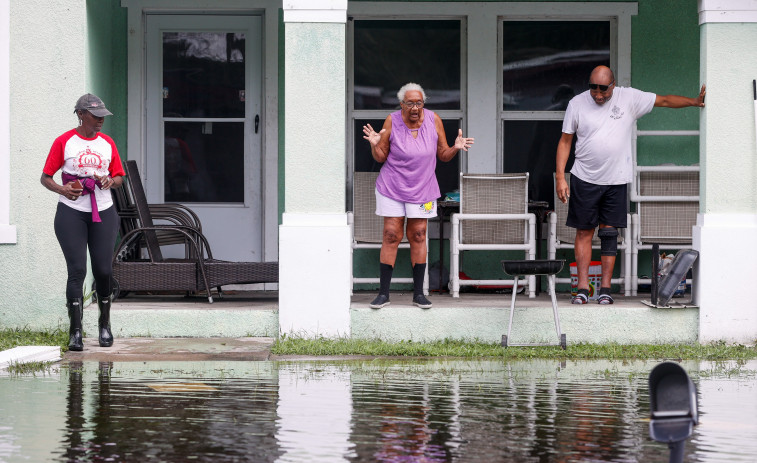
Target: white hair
(408, 87)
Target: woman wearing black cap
(85, 217)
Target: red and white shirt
(85, 157)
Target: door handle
(257, 122)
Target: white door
(202, 125)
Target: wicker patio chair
(562, 236)
(493, 217)
(167, 213)
(196, 272)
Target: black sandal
(581, 297)
(604, 297)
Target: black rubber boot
(104, 335)
(75, 313)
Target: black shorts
(591, 205)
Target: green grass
(287, 345)
(30, 368)
(449, 348)
(14, 337)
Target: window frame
(480, 37)
(534, 115)
(354, 114)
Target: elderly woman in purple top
(409, 144)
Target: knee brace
(608, 236)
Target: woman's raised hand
(371, 135)
(462, 143)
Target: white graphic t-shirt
(604, 134)
(85, 157)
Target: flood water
(366, 410)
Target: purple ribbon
(88, 185)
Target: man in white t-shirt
(602, 118)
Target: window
(386, 54)
(544, 64)
(203, 80)
(389, 54)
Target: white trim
(510, 9)
(727, 220)
(727, 11)
(290, 219)
(7, 231)
(315, 11)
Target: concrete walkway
(174, 349)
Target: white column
(727, 224)
(7, 231)
(314, 238)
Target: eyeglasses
(602, 88)
(413, 104)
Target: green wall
(106, 23)
(665, 60)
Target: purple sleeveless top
(408, 173)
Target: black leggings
(75, 231)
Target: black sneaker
(421, 301)
(382, 300)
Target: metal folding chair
(368, 228)
(493, 217)
(667, 200)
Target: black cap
(93, 104)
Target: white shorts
(387, 207)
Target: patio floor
(266, 300)
(485, 317)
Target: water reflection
(416, 421)
(168, 418)
(493, 417)
(429, 411)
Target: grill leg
(512, 306)
(551, 280)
